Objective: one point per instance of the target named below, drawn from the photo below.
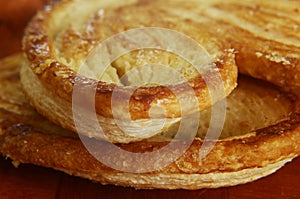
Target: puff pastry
(59, 39)
(242, 155)
(262, 126)
(55, 52)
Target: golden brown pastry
(64, 38)
(264, 36)
(251, 147)
(261, 131)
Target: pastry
(57, 53)
(261, 129)
(249, 148)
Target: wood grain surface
(29, 181)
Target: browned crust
(267, 69)
(267, 38)
(20, 141)
(268, 146)
(69, 155)
(38, 47)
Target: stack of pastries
(120, 126)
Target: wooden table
(32, 182)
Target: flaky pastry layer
(27, 137)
